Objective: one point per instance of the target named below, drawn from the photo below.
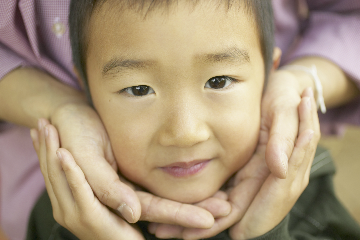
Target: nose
(185, 124)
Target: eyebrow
(116, 63)
(233, 54)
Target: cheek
(130, 135)
(238, 133)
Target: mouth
(185, 169)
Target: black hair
(81, 11)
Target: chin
(187, 196)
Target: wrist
(72, 105)
(303, 80)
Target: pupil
(140, 90)
(217, 82)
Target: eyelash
(226, 78)
(148, 90)
(128, 89)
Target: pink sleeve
(332, 31)
(30, 36)
(9, 61)
(333, 36)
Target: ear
(276, 58)
(78, 78)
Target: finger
(80, 189)
(167, 231)
(220, 225)
(42, 147)
(221, 195)
(108, 188)
(305, 135)
(152, 227)
(298, 157)
(283, 133)
(216, 206)
(240, 197)
(35, 139)
(56, 174)
(160, 210)
(305, 115)
(316, 127)
(86, 139)
(43, 164)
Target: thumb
(109, 189)
(283, 132)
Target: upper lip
(186, 164)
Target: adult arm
(327, 39)
(279, 113)
(27, 94)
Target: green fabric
(316, 215)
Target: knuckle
(104, 196)
(52, 178)
(106, 193)
(147, 211)
(288, 142)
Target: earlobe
(78, 77)
(276, 58)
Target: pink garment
(35, 33)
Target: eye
(138, 91)
(219, 82)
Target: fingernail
(59, 155)
(311, 92)
(284, 161)
(126, 212)
(33, 134)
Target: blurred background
(346, 153)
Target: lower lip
(185, 172)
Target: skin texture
(76, 208)
(182, 119)
(277, 121)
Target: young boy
(178, 86)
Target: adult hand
(83, 135)
(279, 109)
(277, 196)
(73, 202)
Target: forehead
(205, 27)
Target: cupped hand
(82, 133)
(277, 196)
(280, 119)
(279, 129)
(73, 202)
(84, 136)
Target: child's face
(179, 93)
